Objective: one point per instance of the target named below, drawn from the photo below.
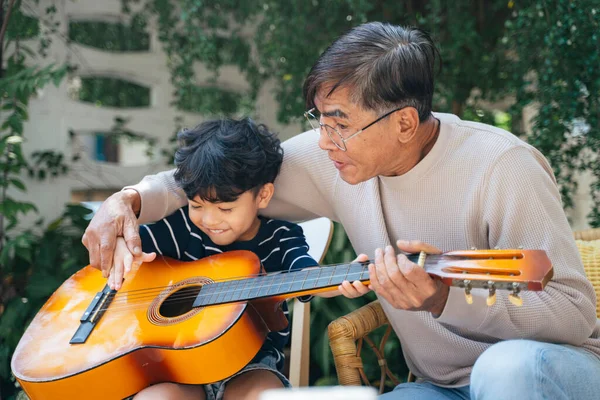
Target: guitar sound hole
(179, 302)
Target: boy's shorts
(266, 359)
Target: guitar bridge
(92, 314)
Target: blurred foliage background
(539, 53)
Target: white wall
(54, 113)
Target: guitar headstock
(515, 270)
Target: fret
(311, 278)
(231, 291)
(318, 276)
(241, 289)
(365, 268)
(355, 272)
(287, 283)
(298, 282)
(222, 292)
(272, 286)
(323, 279)
(332, 275)
(304, 280)
(254, 287)
(215, 292)
(204, 295)
(263, 289)
(283, 274)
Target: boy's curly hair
(219, 160)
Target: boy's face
(230, 222)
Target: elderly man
(392, 172)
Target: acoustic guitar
(200, 322)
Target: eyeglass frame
(322, 125)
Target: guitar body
(200, 322)
(137, 342)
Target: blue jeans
(519, 369)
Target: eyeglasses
(334, 134)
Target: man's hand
(347, 289)
(404, 284)
(116, 217)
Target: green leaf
(41, 285)
(20, 185)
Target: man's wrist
(133, 199)
(439, 306)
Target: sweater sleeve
(521, 206)
(304, 187)
(169, 236)
(160, 196)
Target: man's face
(373, 152)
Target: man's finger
(132, 236)
(94, 252)
(108, 242)
(416, 246)
(380, 267)
(374, 285)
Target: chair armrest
(346, 335)
(589, 234)
(590, 255)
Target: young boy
(227, 169)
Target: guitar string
(152, 292)
(158, 289)
(174, 298)
(185, 295)
(140, 294)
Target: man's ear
(265, 194)
(407, 123)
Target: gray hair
(385, 66)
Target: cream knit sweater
(478, 187)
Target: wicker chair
(348, 334)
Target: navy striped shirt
(280, 246)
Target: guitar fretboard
(280, 284)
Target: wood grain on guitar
(202, 321)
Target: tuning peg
(491, 300)
(421, 261)
(514, 296)
(515, 299)
(468, 295)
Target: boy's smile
(229, 222)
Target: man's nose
(325, 142)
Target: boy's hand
(122, 263)
(347, 289)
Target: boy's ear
(265, 195)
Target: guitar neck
(284, 285)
